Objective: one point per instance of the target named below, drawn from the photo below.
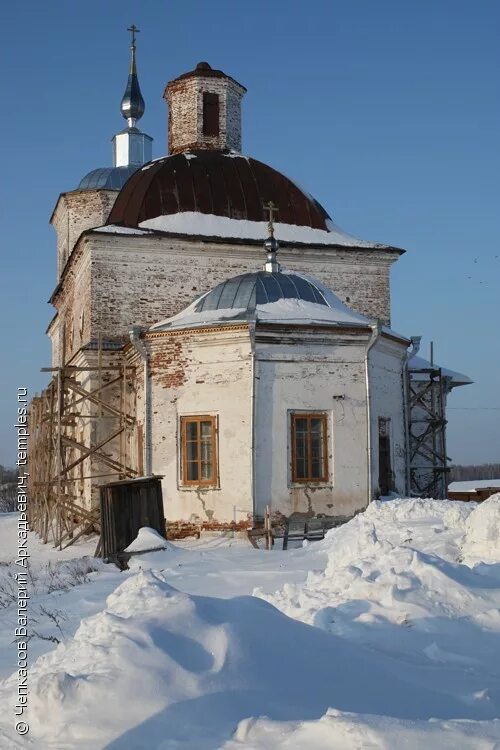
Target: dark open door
(384, 456)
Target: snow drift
(394, 583)
(343, 731)
(394, 641)
(189, 668)
(482, 532)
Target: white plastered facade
(251, 379)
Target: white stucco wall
(203, 373)
(324, 371)
(210, 372)
(385, 366)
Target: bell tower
(204, 111)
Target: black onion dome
(214, 182)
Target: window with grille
(199, 450)
(210, 114)
(309, 447)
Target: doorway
(384, 456)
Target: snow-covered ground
(384, 635)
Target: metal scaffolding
(83, 431)
(427, 389)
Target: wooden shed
(126, 507)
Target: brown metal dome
(213, 182)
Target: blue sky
(387, 111)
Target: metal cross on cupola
(270, 208)
(134, 30)
(271, 244)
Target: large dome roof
(212, 182)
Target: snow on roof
(147, 539)
(115, 229)
(416, 364)
(210, 225)
(474, 484)
(293, 311)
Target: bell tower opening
(210, 114)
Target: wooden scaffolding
(427, 427)
(83, 433)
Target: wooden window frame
(214, 479)
(211, 114)
(323, 416)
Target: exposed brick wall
(73, 302)
(140, 281)
(185, 114)
(74, 213)
(169, 359)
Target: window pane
(300, 443)
(206, 471)
(316, 426)
(316, 469)
(309, 446)
(300, 425)
(198, 449)
(316, 446)
(206, 429)
(191, 451)
(301, 468)
(192, 470)
(206, 452)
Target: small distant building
(476, 490)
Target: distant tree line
(481, 471)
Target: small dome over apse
(107, 178)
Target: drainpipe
(252, 416)
(415, 346)
(140, 347)
(376, 330)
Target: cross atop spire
(132, 106)
(134, 31)
(271, 244)
(131, 146)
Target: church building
(253, 336)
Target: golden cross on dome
(270, 208)
(134, 31)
